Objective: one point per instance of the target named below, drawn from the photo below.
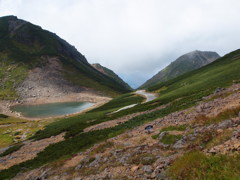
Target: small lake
(51, 109)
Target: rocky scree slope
(183, 64)
(28, 49)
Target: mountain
(195, 120)
(111, 74)
(34, 61)
(181, 65)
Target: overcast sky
(135, 38)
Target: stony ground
(135, 154)
(28, 151)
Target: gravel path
(147, 95)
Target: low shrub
(174, 128)
(170, 139)
(196, 165)
(3, 116)
(11, 150)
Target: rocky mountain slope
(111, 74)
(37, 63)
(181, 65)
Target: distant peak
(198, 52)
(10, 17)
(195, 51)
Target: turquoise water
(51, 109)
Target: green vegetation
(170, 128)
(13, 130)
(3, 116)
(155, 136)
(196, 165)
(11, 150)
(170, 138)
(4, 120)
(174, 128)
(220, 73)
(11, 75)
(120, 101)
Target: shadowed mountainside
(111, 74)
(25, 47)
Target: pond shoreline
(73, 97)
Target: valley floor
(209, 130)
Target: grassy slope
(12, 129)
(217, 74)
(10, 76)
(196, 165)
(183, 92)
(75, 125)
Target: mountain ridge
(26, 46)
(110, 73)
(185, 63)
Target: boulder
(225, 124)
(199, 108)
(161, 135)
(96, 161)
(134, 168)
(79, 167)
(147, 169)
(217, 90)
(179, 144)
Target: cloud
(135, 38)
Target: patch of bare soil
(28, 151)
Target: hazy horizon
(135, 38)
